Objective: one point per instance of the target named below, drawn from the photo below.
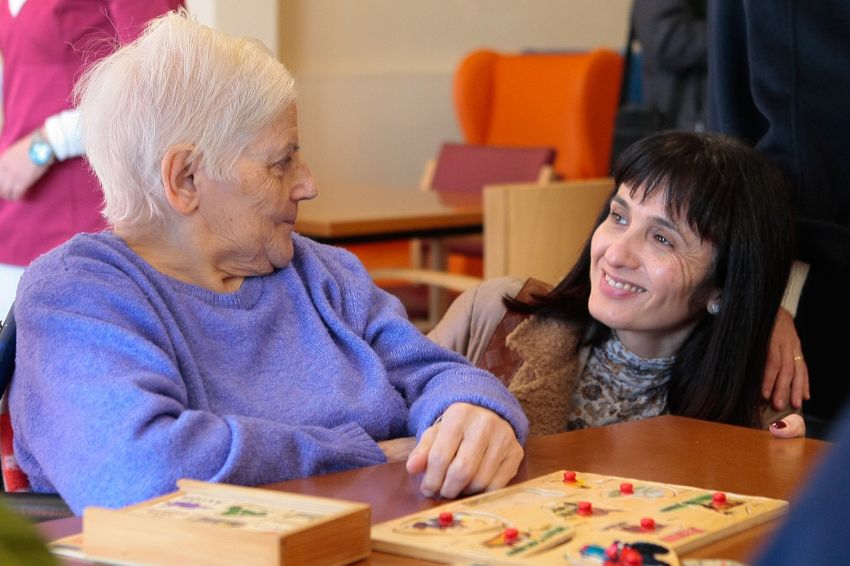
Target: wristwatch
(40, 151)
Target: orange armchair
(563, 100)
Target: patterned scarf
(617, 385)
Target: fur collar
(545, 380)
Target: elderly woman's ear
(178, 178)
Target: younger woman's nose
(622, 250)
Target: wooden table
(377, 214)
(665, 449)
(370, 214)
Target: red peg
(630, 557)
(511, 534)
(569, 477)
(647, 524)
(585, 508)
(627, 488)
(718, 498)
(446, 519)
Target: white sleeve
(63, 134)
(794, 288)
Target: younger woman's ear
(178, 178)
(715, 302)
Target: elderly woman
(671, 305)
(201, 337)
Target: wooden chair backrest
(466, 168)
(539, 230)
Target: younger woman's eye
(617, 218)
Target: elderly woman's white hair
(179, 82)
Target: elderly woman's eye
(290, 156)
(662, 240)
(617, 218)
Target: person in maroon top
(47, 194)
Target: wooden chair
(538, 231)
(15, 485)
(460, 169)
(566, 100)
(465, 169)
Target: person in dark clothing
(777, 78)
(674, 54)
(816, 530)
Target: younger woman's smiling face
(645, 268)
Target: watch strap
(40, 151)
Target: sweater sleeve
(62, 131)
(102, 413)
(428, 376)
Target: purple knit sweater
(128, 379)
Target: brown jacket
(546, 354)
(551, 364)
(546, 351)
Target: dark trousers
(823, 323)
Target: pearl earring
(713, 308)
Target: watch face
(40, 152)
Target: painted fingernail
(778, 424)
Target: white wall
(374, 76)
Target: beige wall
(254, 18)
(374, 76)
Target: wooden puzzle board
(550, 530)
(231, 512)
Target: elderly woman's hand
(470, 449)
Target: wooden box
(207, 523)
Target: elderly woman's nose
(306, 188)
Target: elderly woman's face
(645, 268)
(250, 219)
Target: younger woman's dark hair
(733, 197)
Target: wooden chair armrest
(445, 280)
